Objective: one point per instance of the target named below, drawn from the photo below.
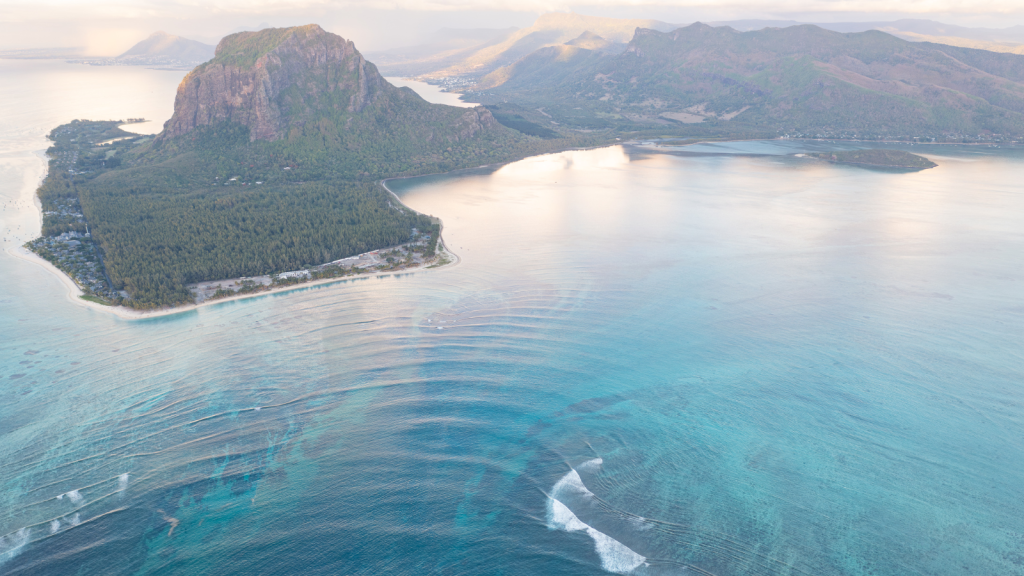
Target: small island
(878, 158)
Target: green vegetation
(238, 187)
(881, 158)
(214, 205)
(77, 256)
(442, 261)
(800, 81)
(517, 122)
(157, 242)
(81, 150)
(243, 49)
(96, 299)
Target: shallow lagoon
(719, 359)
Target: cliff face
(277, 80)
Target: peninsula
(270, 164)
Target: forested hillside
(270, 163)
(797, 81)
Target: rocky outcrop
(276, 80)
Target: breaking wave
(122, 482)
(615, 556)
(75, 496)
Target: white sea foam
(122, 482)
(54, 526)
(60, 496)
(591, 465)
(615, 556)
(76, 519)
(258, 408)
(75, 496)
(561, 518)
(12, 544)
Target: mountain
(270, 163)
(444, 48)
(315, 83)
(161, 46)
(550, 62)
(590, 41)
(917, 30)
(550, 29)
(1013, 34)
(795, 80)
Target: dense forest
(155, 243)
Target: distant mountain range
(505, 47)
(800, 80)
(476, 54)
(994, 39)
(164, 46)
(159, 49)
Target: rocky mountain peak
(274, 80)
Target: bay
(431, 93)
(717, 359)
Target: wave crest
(615, 556)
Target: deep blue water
(711, 360)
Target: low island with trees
(879, 158)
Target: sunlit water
(431, 93)
(733, 362)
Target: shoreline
(74, 291)
(126, 313)
(131, 314)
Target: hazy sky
(108, 27)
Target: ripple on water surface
(646, 364)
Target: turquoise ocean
(713, 359)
